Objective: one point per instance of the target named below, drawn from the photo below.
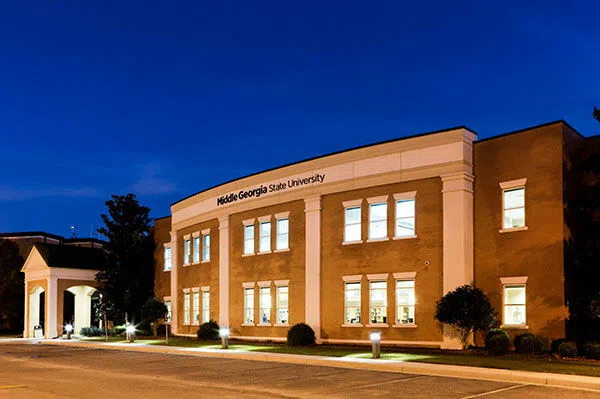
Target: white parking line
(495, 391)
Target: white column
(26, 327)
(312, 211)
(224, 271)
(174, 268)
(51, 328)
(458, 269)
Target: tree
(467, 309)
(128, 276)
(12, 285)
(596, 114)
(154, 310)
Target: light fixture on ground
(69, 330)
(224, 334)
(375, 337)
(130, 331)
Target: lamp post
(375, 337)
(130, 331)
(69, 329)
(224, 334)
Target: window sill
(247, 324)
(378, 325)
(352, 242)
(378, 239)
(244, 255)
(282, 250)
(407, 325)
(352, 325)
(282, 325)
(186, 324)
(187, 264)
(511, 229)
(404, 237)
(195, 263)
(264, 253)
(205, 261)
(263, 325)
(167, 270)
(196, 323)
(515, 326)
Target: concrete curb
(440, 370)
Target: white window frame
(249, 307)
(280, 284)
(398, 277)
(195, 307)
(264, 236)
(378, 278)
(249, 226)
(187, 316)
(373, 202)
(264, 287)
(187, 242)
(509, 186)
(354, 281)
(350, 205)
(196, 251)
(280, 218)
(403, 197)
(512, 282)
(206, 246)
(205, 304)
(168, 260)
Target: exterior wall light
(130, 332)
(69, 329)
(375, 337)
(224, 334)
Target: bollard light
(376, 344)
(224, 334)
(130, 331)
(69, 329)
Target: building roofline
(31, 234)
(561, 121)
(163, 217)
(90, 239)
(324, 156)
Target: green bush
(567, 349)
(301, 335)
(555, 344)
(497, 342)
(92, 332)
(209, 330)
(529, 344)
(591, 350)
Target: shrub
(567, 349)
(555, 344)
(529, 343)
(118, 330)
(92, 332)
(154, 310)
(209, 330)
(301, 335)
(591, 350)
(497, 342)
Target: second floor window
(405, 218)
(283, 233)
(377, 221)
(352, 224)
(206, 247)
(249, 239)
(514, 208)
(265, 237)
(196, 249)
(186, 252)
(168, 260)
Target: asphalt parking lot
(46, 371)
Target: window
(186, 308)
(206, 247)
(514, 305)
(265, 237)
(514, 208)
(265, 305)
(378, 302)
(249, 239)
(282, 307)
(352, 303)
(283, 234)
(169, 310)
(378, 221)
(352, 224)
(405, 301)
(196, 299)
(405, 218)
(205, 306)
(168, 262)
(186, 252)
(249, 305)
(196, 249)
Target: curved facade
(370, 238)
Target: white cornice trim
(405, 275)
(354, 278)
(378, 277)
(248, 285)
(264, 219)
(405, 196)
(352, 203)
(377, 200)
(248, 222)
(513, 183)
(264, 283)
(513, 280)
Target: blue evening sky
(166, 98)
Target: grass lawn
(544, 363)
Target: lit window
(405, 302)
(186, 252)
(283, 234)
(514, 304)
(196, 249)
(352, 303)
(186, 308)
(196, 299)
(168, 262)
(265, 305)
(249, 305)
(282, 304)
(378, 302)
(249, 239)
(352, 224)
(169, 310)
(205, 306)
(206, 247)
(377, 221)
(405, 218)
(265, 237)
(514, 207)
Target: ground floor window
(249, 305)
(265, 305)
(405, 301)
(352, 303)
(205, 306)
(378, 302)
(514, 304)
(282, 304)
(186, 308)
(169, 310)
(196, 299)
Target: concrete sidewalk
(488, 374)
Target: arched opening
(81, 309)
(37, 312)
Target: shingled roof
(71, 257)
